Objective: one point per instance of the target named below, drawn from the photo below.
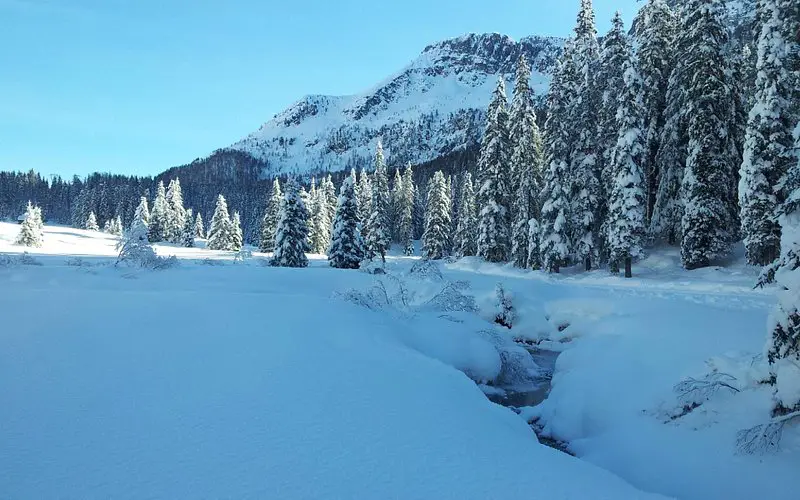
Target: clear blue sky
(137, 86)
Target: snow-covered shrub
(425, 270)
(506, 313)
(27, 259)
(135, 249)
(372, 266)
(242, 255)
(386, 294)
(517, 365)
(30, 232)
(450, 299)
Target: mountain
(431, 108)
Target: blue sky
(138, 86)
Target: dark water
(517, 397)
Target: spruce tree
(328, 192)
(707, 224)
(554, 243)
(188, 232)
(627, 204)
(238, 239)
(175, 215)
(466, 237)
(220, 234)
(142, 213)
(364, 197)
(395, 206)
(91, 223)
(199, 228)
(378, 238)
(319, 236)
(291, 236)
(347, 247)
(769, 134)
(30, 232)
(269, 224)
(526, 163)
(670, 159)
(435, 240)
(655, 34)
(157, 224)
(586, 195)
(493, 177)
(405, 214)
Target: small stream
(531, 395)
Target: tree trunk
(588, 263)
(628, 273)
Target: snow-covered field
(224, 379)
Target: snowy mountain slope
(432, 107)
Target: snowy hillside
(433, 106)
(230, 379)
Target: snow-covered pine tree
(419, 213)
(347, 247)
(665, 222)
(157, 224)
(769, 135)
(395, 206)
(30, 232)
(142, 213)
(238, 239)
(91, 222)
(117, 226)
(466, 238)
(364, 197)
(187, 236)
(526, 163)
(319, 226)
(554, 224)
(534, 245)
(405, 219)
(291, 236)
(220, 234)
(199, 228)
(586, 197)
(269, 224)
(378, 238)
(627, 203)
(175, 212)
(107, 226)
(655, 34)
(435, 240)
(708, 225)
(328, 190)
(493, 176)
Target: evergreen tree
(534, 245)
(526, 163)
(108, 226)
(328, 192)
(319, 236)
(30, 232)
(493, 176)
(175, 215)
(586, 208)
(199, 228)
(396, 207)
(221, 233)
(91, 223)
(769, 134)
(707, 225)
(670, 159)
(466, 237)
(378, 238)
(269, 223)
(142, 214)
(435, 240)
(238, 239)
(347, 247)
(655, 34)
(291, 236)
(405, 216)
(364, 197)
(157, 224)
(627, 203)
(188, 232)
(419, 213)
(554, 223)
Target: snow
(242, 380)
(246, 381)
